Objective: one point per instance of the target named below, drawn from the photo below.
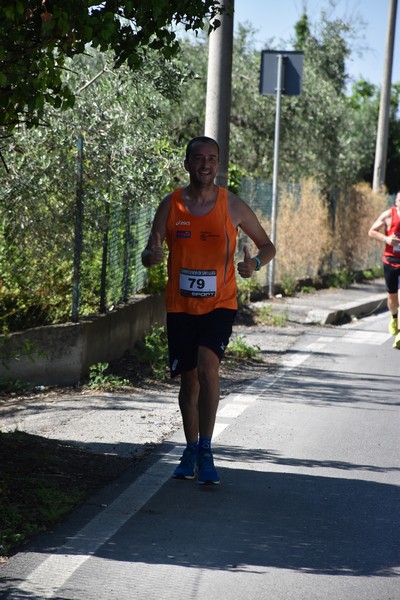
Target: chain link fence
(81, 255)
(68, 253)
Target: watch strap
(258, 261)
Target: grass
(42, 481)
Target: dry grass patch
(356, 210)
(304, 239)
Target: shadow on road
(308, 523)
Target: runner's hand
(247, 265)
(156, 251)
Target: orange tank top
(201, 269)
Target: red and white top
(391, 254)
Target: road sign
(292, 72)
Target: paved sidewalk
(334, 306)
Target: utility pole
(219, 87)
(384, 106)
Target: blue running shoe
(207, 472)
(187, 465)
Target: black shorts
(392, 278)
(187, 332)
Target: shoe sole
(189, 477)
(208, 482)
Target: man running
(199, 223)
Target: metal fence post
(106, 232)
(104, 259)
(127, 253)
(271, 270)
(78, 231)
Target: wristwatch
(258, 261)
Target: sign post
(281, 73)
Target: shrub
(155, 351)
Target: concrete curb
(350, 310)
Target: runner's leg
(208, 376)
(189, 404)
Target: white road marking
(232, 410)
(319, 344)
(374, 338)
(295, 360)
(218, 429)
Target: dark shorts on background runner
(187, 332)
(392, 278)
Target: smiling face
(202, 163)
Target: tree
(364, 101)
(38, 35)
(323, 134)
(129, 162)
(317, 136)
(393, 154)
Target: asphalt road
(308, 506)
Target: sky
(275, 19)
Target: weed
(288, 284)
(238, 350)
(99, 379)
(266, 316)
(372, 273)
(340, 279)
(155, 351)
(307, 289)
(14, 386)
(367, 275)
(245, 287)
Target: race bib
(198, 284)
